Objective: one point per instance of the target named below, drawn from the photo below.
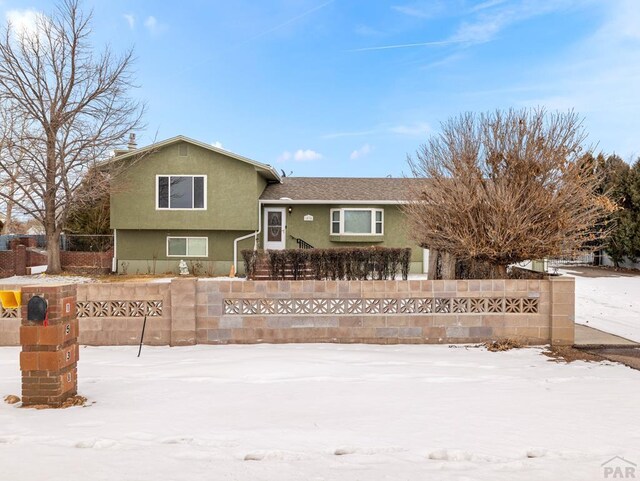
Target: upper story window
(357, 221)
(181, 192)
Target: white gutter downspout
(255, 244)
(114, 261)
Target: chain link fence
(577, 259)
(68, 242)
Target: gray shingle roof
(340, 188)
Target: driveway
(608, 301)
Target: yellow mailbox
(10, 299)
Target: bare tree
(70, 109)
(506, 187)
(9, 192)
(10, 189)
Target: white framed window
(181, 192)
(357, 221)
(187, 247)
(335, 221)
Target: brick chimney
(132, 145)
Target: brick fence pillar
(20, 260)
(562, 312)
(183, 311)
(49, 356)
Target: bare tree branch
(69, 108)
(505, 187)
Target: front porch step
(264, 274)
(262, 271)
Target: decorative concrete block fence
(191, 311)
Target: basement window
(187, 246)
(357, 221)
(180, 192)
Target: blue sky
(350, 87)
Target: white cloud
(623, 22)
(131, 20)
(218, 145)
(494, 16)
(411, 129)
(599, 78)
(479, 32)
(284, 156)
(415, 130)
(487, 20)
(305, 155)
(300, 155)
(361, 152)
(354, 133)
(153, 25)
(486, 5)
(24, 21)
(449, 59)
(421, 9)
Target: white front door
(275, 228)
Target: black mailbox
(37, 309)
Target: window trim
(206, 250)
(374, 222)
(204, 187)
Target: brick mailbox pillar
(49, 356)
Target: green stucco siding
(317, 232)
(149, 244)
(233, 188)
(145, 251)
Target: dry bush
(356, 263)
(505, 344)
(506, 187)
(11, 399)
(250, 258)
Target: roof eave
(264, 168)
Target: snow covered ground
(46, 279)
(325, 412)
(610, 303)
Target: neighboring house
(184, 199)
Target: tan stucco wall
(384, 312)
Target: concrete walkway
(608, 346)
(588, 336)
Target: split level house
(181, 199)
